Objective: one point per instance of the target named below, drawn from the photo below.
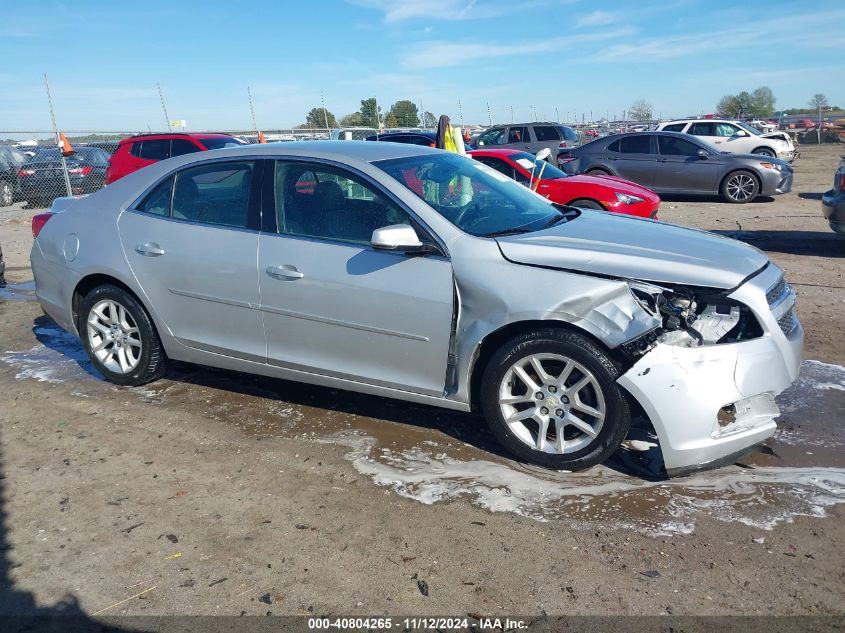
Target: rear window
(180, 146)
(220, 142)
(546, 133)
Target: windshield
(529, 161)
(472, 196)
(220, 143)
(750, 129)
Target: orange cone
(64, 145)
(261, 138)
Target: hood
(779, 136)
(631, 248)
(610, 182)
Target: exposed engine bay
(691, 317)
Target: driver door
(334, 305)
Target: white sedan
(735, 137)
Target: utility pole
(325, 114)
(58, 140)
(489, 116)
(511, 114)
(163, 107)
(461, 113)
(557, 115)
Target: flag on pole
(64, 145)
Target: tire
(586, 203)
(558, 352)
(110, 322)
(739, 187)
(7, 194)
(595, 171)
(765, 151)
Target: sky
(471, 59)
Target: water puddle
(24, 291)
(432, 455)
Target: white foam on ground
(57, 358)
(760, 497)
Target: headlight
(624, 198)
(776, 166)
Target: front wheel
(119, 337)
(740, 187)
(584, 203)
(764, 151)
(550, 397)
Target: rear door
(335, 306)
(518, 137)
(192, 245)
(546, 136)
(634, 158)
(680, 168)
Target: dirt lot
(211, 492)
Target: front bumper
(833, 207)
(711, 402)
(775, 182)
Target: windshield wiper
(503, 232)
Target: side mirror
(397, 237)
(702, 153)
(741, 133)
(543, 154)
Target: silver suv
(530, 137)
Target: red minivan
(136, 152)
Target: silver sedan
(407, 272)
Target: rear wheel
(595, 171)
(119, 337)
(586, 203)
(550, 397)
(740, 187)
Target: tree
(428, 120)
(745, 104)
(355, 119)
(370, 112)
(728, 107)
(818, 102)
(391, 120)
(317, 117)
(406, 114)
(640, 111)
(763, 102)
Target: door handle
(285, 272)
(149, 249)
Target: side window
(702, 129)
(214, 194)
(674, 146)
(675, 127)
(328, 203)
(155, 150)
(726, 129)
(179, 146)
(491, 137)
(157, 201)
(614, 146)
(640, 144)
(546, 133)
(421, 140)
(135, 148)
(518, 135)
(502, 167)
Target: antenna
(56, 134)
(252, 111)
(163, 107)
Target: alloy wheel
(552, 403)
(741, 187)
(114, 336)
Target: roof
(160, 135)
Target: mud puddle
(431, 455)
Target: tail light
(38, 222)
(23, 173)
(80, 171)
(841, 185)
(565, 159)
(563, 145)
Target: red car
(604, 193)
(136, 152)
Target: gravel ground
(211, 492)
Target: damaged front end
(708, 375)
